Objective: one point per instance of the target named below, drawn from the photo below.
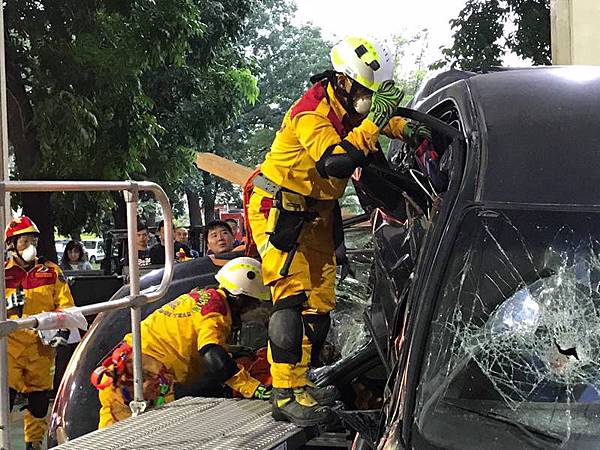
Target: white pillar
(575, 32)
(4, 163)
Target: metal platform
(197, 423)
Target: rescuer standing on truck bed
(33, 285)
(293, 209)
(193, 327)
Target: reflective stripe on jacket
(313, 124)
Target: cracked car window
(514, 348)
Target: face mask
(29, 253)
(362, 105)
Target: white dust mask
(362, 105)
(29, 253)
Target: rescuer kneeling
(33, 285)
(194, 327)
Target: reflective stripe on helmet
(243, 276)
(366, 61)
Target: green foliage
(531, 39)
(480, 39)
(123, 89)
(284, 56)
(410, 53)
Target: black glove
(60, 339)
(341, 259)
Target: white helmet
(367, 61)
(243, 276)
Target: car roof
(540, 134)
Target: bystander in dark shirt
(157, 253)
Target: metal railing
(134, 300)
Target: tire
(93, 260)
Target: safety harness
(114, 366)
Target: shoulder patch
(309, 101)
(211, 301)
(203, 296)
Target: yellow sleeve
(316, 134)
(395, 127)
(112, 408)
(62, 294)
(243, 383)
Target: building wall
(575, 32)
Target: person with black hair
(218, 238)
(234, 225)
(73, 257)
(157, 252)
(141, 244)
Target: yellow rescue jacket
(175, 333)
(44, 288)
(311, 126)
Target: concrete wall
(575, 31)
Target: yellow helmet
(367, 61)
(243, 276)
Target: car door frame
(434, 253)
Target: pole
(4, 163)
(4, 392)
(4, 216)
(138, 405)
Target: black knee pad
(317, 328)
(217, 363)
(12, 396)
(37, 403)
(285, 335)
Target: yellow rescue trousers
(30, 369)
(312, 272)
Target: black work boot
(324, 396)
(34, 445)
(298, 406)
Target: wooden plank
(223, 168)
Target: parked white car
(94, 249)
(60, 247)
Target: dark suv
(481, 272)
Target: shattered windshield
(514, 347)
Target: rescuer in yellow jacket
(324, 136)
(33, 285)
(194, 327)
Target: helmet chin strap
(347, 98)
(18, 255)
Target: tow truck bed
(197, 423)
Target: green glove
(416, 133)
(262, 392)
(384, 102)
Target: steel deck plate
(196, 423)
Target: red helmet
(20, 225)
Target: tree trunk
(120, 211)
(208, 201)
(194, 208)
(76, 236)
(22, 134)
